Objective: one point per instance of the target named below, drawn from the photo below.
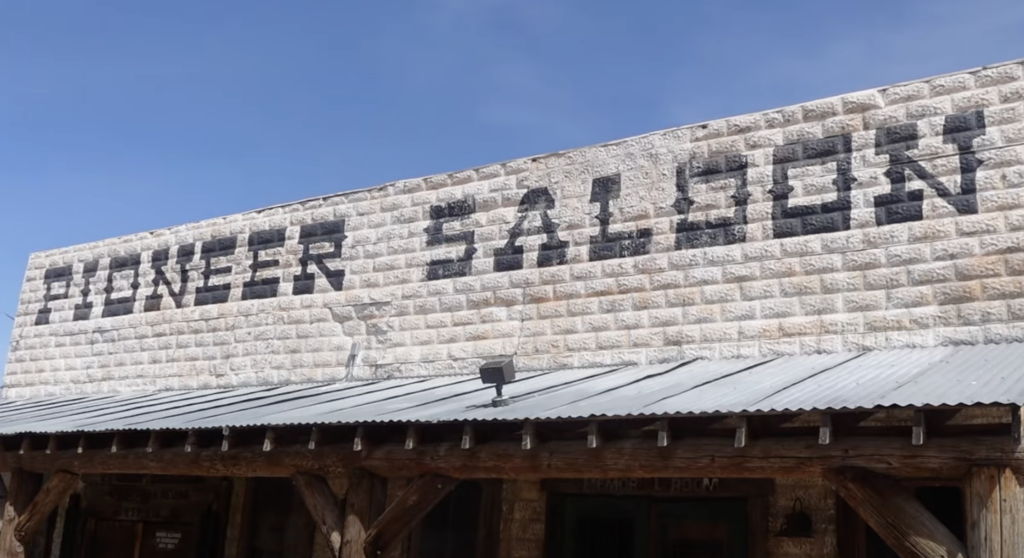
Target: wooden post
(56, 490)
(358, 514)
(23, 488)
(995, 513)
(323, 507)
(398, 520)
(895, 514)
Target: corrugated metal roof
(938, 376)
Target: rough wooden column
(523, 509)
(359, 510)
(995, 513)
(323, 506)
(21, 491)
(396, 486)
(895, 514)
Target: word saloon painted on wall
(172, 277)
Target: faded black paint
(608, 245)
(161, 258)
(803, 220)
(441, 215)
(121, 306)
(216, 248)
(723, 230)
(901, 205)
(329, 232)
(83, 309)
(267, 286)
(553, 251)
(54, 275)
(898, 205)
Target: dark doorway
(277, 524)
(631, 527)
(136, 516)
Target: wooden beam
(742, 432)
(323, 507)
(154, 442)
(1016, 425)
(529, 440)
(406, 512)
(664, 433)
(55, 491)
(920, 430)
(593, 435)
(358, 514)
(412, 437)
(358, 443)
(896, 515)
(226, 439)
(468, 437)
(994, 505)
(22, 490)
(825, 429)
(786, 457)
(117, 443)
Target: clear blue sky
(119, 116)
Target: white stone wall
(783, 232)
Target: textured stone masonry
(880, 219)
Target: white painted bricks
(843, 224)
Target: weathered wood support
(468, 437)
(825, 432)
(995, 513)
(323, 507)
(406, 512)
(664, 433)
(22, 490)
(895, 514)
(947, 458)
(55, 491)
(358, 514)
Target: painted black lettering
(124, 305)
(610, 245)
(901, 205)
(216, 248)
(83, 309)
(440, 215)
(554, 250)
(59, 274)
(267, 286)
(802, 220)
(327, 232)
(722, 230)
(161, 259)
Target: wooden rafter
(406, 512)
(896, 515)
(323, 507)
(765, 457)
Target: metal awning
(919, 378)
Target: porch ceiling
(921, 377)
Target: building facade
(781, 248)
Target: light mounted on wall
(797, 524)
(498, 373)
